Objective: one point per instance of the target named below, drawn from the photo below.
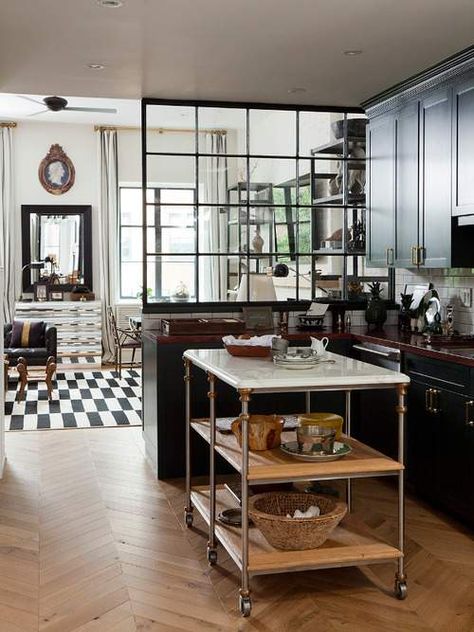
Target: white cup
(319, 345)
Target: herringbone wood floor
(90, 542)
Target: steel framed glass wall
(273, 184)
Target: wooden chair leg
(120, 362)
(22, 379)
(133, 357)
(50, 371)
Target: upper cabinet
(420, 165)
(463, 148)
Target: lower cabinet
(440, 439)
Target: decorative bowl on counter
(329, 420)
(269, 514)
(264, 431)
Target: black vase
(376, 312)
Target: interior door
(381, 191)
(407, 185)
(435, 178)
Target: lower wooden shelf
(351, 544)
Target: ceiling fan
(58, 104)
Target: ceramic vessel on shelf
(328, 420)
(318, 346)
(264, 431)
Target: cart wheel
(188, 518)
(245, 606)
(212, 556)
(401, 590)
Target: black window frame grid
(346, 206)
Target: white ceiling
(238, 50)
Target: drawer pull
(435, 408)
(428, 406)
(468, 408)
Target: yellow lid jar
(328, 420)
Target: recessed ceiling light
(352, 53)
(110, 4)
(296, 90)
(96, 66)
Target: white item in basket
(312, 512)
(254, 341)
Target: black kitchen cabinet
(440, 435)
(463, 148)
(381, 191)
(435, 180)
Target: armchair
(35, 356)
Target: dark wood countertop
(390, 336)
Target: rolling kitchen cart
(352, 543)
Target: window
(170, 230)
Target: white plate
(340, 450)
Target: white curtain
(108, 208)
(9, 250)
(214, 219)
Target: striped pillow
(27, 333)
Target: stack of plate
(297, 358)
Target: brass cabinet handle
(468, 407)
(413, 255)
(428, 394)
(435, 408)
(392, 256)
(421, 255)
(387, 250)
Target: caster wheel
(188, 518)
(245, 606)
(212, 556)
(401, 590)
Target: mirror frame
(85, 211)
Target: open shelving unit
(352, 543)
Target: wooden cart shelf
(276, 466)
(351, 543)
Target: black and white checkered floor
(81, 399)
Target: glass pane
(131, 244)
(171, 278)
(218, 178)
(177, 196)
(215, 229)
(316, 132)
(219, 278)
(304, 230)
(170, 128)
(131, 206)
(269, 173)
(131, 279)
(356, 231)
(231, 121)
(171, 171)
(327, 229)
(272, 132)
(170, 240)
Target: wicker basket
(268, 512)
(248, 351)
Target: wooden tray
(176, 326)
(248, 351)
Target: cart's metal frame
(245, 603)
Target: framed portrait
(258, 318)
(56, 295)
(41, 291)
(56, 171)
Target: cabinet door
(435, 178)
(463, 148)
(407, 189)
(381, 190)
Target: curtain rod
(159, 130)
(8, 124)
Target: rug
(81, 399)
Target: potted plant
(376, 312)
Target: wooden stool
(25, 377)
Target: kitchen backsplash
(453, 285)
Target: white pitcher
(319, 345)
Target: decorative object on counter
(429, 313)
(307, 454)
(314, 317)
(405, 314)
(449, 320)
(376, 311)
(314, 438)
(328, 420)
(224, 424)
(339, 323)
(248, 347)
(279, 346)
(258, 318)
(297, 358)
(56, 295)
(41, 290)
(181, 293)
(82, 293)
(56, 171)
(348, 322)
(269, 514)
(201, 326)
(264, 431)
(318, 346)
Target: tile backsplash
(450, 284)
